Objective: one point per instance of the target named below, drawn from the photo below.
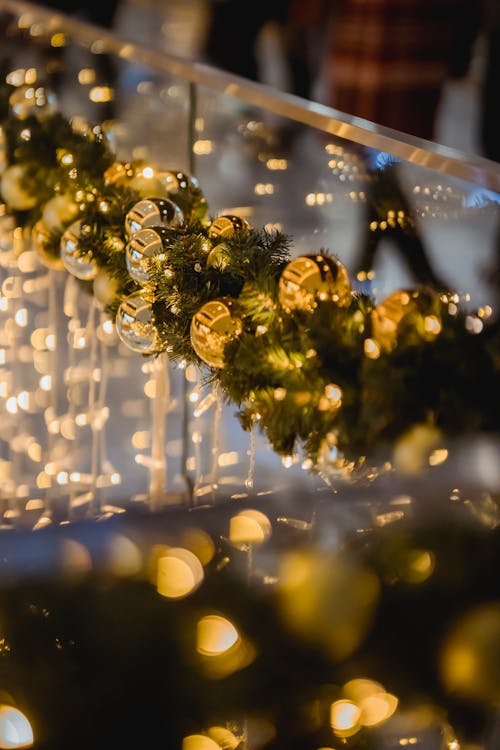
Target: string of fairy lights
(313, 364)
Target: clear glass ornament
(153, 212)
(145, 244)
(135, 324)
(74, 262)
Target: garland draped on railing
(317, 366)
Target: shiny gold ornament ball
(308, 279)
(185, 190)
(420, 308)
(13, 189)
(153, 212)
(211, 328)
(59, 211)
(226, 225)
(42, 242)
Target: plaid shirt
(386, 60)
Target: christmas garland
(315, 365)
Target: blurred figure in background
(235, 27)
(387, 60)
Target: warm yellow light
(101, 94)
(371, 349)
(250, 527)
(58, 39)
(345, 718)
(432, 325)
(15, 729)
(438, 456)
(199, 742)
(21, 317)
(376, 709)
(124, 557)
(215, 635)
(179, 573)
(202, 147)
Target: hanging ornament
(212, 327)
(105, 288)
(13, 189)
(311, 278)
(226, 225)
(43, 242)
(37, 101)
(185, 190)
(144, 245)
(76, 262)
(219, 257)
(135, 325)
(59, 211)
(3, 151)
(153, 212)
(419, 309)
(137, 175)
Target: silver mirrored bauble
(145, 244)
(135, 324)
(35, 100)
(71, 255)
(226, 225)
(153, 212)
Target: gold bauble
(420, 307)
(41, 239)
(137, 175)
(59, 211)
(211, 328)
(312, 278)
(13, 191)
(185, 190)
(226, 225)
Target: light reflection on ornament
(226, 225)
(308, 279)
(211, 329)
(153, 212)
(142, 247)
(135, 324)
(74, 262)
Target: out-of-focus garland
(314, 364)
